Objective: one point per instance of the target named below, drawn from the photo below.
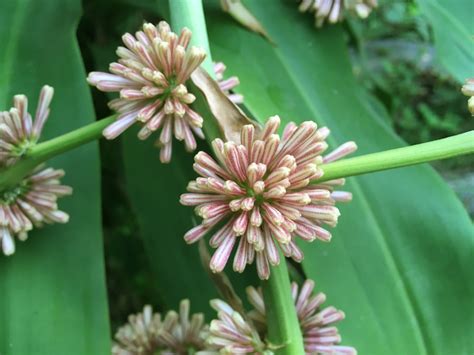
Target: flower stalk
(457, 145)
(460, 144)
(283, 326)
(190, 14)
(283, 322)
(42, 152)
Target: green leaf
(400, 263)
(453, 28)
(53, 296)
(154, 189)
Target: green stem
(395, 158)
(51, 148)
(71, 140)
(190, 14)
(283, 322)
(283, 326)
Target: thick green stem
(283, 323)
(71, 140)
(190, 14)
(56, 146)
(460, 144)
(283, 326)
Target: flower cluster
(18, 131)
(147, 333)
(30, 203)
(259, 190)
(319, 334)
(233, 333)
(468, 90)
(333, 10)
(228, 84)
(150, 76)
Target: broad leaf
(53, 298)
(401, 260)
(154, 189)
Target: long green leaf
(453, 26)
(400, 264)
(53, 298)
(154, 190)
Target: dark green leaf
(154, 190)
(53, 298)
(400, 264)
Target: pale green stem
(460, 144)
(190, 14)
(283, 323)
(51, 148)
(284, 331)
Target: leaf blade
(53, 288)
(307, 75)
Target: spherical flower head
(18, 131)
(333, 10)
(31, 203)
(231, 333)
(468, 90)
(317, 324)
(147, 333)
(227, 85)
(259, 193)
(150, 76)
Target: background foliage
(400, 264)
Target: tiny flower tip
(14, 111)
(20, 98)
(198, 54)
(352, 146)
(362, 10)
(128, 39)
(148, 26)
(48, 90)
(324, 131)
(8, 246)
(215, 268)
(109, 133)
(164, 26)
(93, 77)
(309, 125)
(221, 306)
(64, 217)
(274, 119)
